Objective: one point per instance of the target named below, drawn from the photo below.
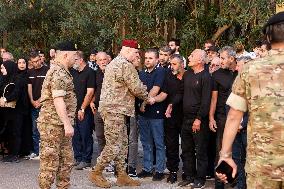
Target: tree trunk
(220, 31)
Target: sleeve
(91, 79)
(132, 81)
(160, 77)
(29, 78)
(19, 87)
(58, 84)
(237, 98)
(205, 97)
(165, 87)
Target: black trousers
(220, 121)
(172, 133)
(211, 151)
(194, 150)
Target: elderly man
(120, 86)
(195, 94)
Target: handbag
(7, 89)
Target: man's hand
(151, 100)
(2, 102)
(93, 108)
(169, 111)
(81, 115)
(69, 130)
(142, 107)
(36, 103)
(196, 125)
(212, 124)
(231, 162)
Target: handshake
(150, 100)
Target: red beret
(130, 43)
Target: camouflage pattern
(120, 86)
(58, 83)
(116, 140)
(255, 181)
(56, 156)
(260, 89)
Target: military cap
(130, 43)
(275, 19)
(67, 46)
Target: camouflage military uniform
(260, 89)
(56, 155)
(120, 86)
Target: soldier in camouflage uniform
(259, 88)
(120, 86)
(56, 120)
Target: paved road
(23, 175)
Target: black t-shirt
(98, 86)
(195, 92)
(36, 78)
(222, 81)
(82, 80)
(171, 86)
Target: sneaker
(198, 185)
(11, 159)
(35, 158)
(172, 178)
(158, 176)
(144, 174)
(132, 172)
(31, 156)
(109, 168)
(187, 181)
(83, 165)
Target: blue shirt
(150, 79)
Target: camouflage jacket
(120, 86)
(58, 83)
(260, 89)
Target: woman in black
(12, 87)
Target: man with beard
(174, 44)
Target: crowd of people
(186, 105)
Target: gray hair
(178, 57)
(11, 57)
(230, 50)
(166, 49)
(244, 58)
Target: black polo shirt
(222, 81)
(82, 80)
(36, 78)
(154, 78)
(98, 86)
(195, 92)
(171, 87)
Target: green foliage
(103, 23)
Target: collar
(157, 66)
(61, 66)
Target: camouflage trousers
(56, 156)
(116, 146)
(256, 181)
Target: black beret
(67, 46)
(275, 19)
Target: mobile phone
(225, 168)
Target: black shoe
(158, 176)
(131, 172)
(187, 181)
(198, 185)
(11, 159)
(172, 178)
(144, 174)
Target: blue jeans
(152, 130)
(35, 135)
(82, 140)
(239, 156)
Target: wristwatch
(82, 110)
(225, 155)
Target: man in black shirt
(164, 57)
(84, 81)
(172, 84)
(36, 78)
(222, 80)
(196, 94)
